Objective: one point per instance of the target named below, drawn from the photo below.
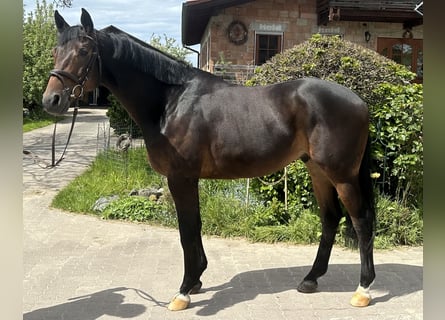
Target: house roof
(197, 13)
(398, 11)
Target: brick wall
(295, 19)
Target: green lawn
(223, 206)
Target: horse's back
(235, 131)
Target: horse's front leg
(186, 198)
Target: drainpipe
(195, 51)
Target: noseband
(77, 90)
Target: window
(408, 52)
(267, 45)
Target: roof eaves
(196, 15)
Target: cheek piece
(78, 90)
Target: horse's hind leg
(330, 215)
(186, 198)
(362, 217)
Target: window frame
(416, 45)
(256, 45)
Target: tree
(169, 46)
(39, 38)
(63, 3)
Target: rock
(103, 202)
(151, 193)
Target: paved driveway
(80, 267)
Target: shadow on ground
(395, 279)
(90, 307)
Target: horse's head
(76, 64)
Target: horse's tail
(367, 195)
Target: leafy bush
(140, 209)
(397, 130)
(304, 230)
(335, 59)
(120, 120)
(395, 108)
(397, 224)
(39, 38)
(223, 206)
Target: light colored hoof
(179, 302)
(360, 299)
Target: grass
(31, 125)
(112, 173)
(38, 119)
(223, 208)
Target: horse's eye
(83, 52)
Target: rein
(76, 94)
(54, 163)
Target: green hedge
(396, 110)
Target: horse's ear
(86, 21)
(60, 22)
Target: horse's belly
(248, 165)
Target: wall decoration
(237, 32)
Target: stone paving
(78, 267)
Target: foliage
(398, 132)
(170, 47)
(37, 118)
(223, 206)
(111, 173)
(397, 224)
(335, 59)
(38, 41)
(120, 120)
(63, 3)
(395, 105)
(140, 209)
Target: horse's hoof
(307, 286)
(179, 302)
(196, 287)
(360, 299)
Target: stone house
(237, 35)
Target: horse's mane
(137, 54)
(147, 58)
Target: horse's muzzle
(56, 103)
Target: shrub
(395, 108)
(397, 224)
(141, 209)
(331, 58)
(39, 38)
(120, 120)
(223, 206)
(397, 130)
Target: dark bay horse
(196, 125)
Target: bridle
(76, 94)
(78, 90)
